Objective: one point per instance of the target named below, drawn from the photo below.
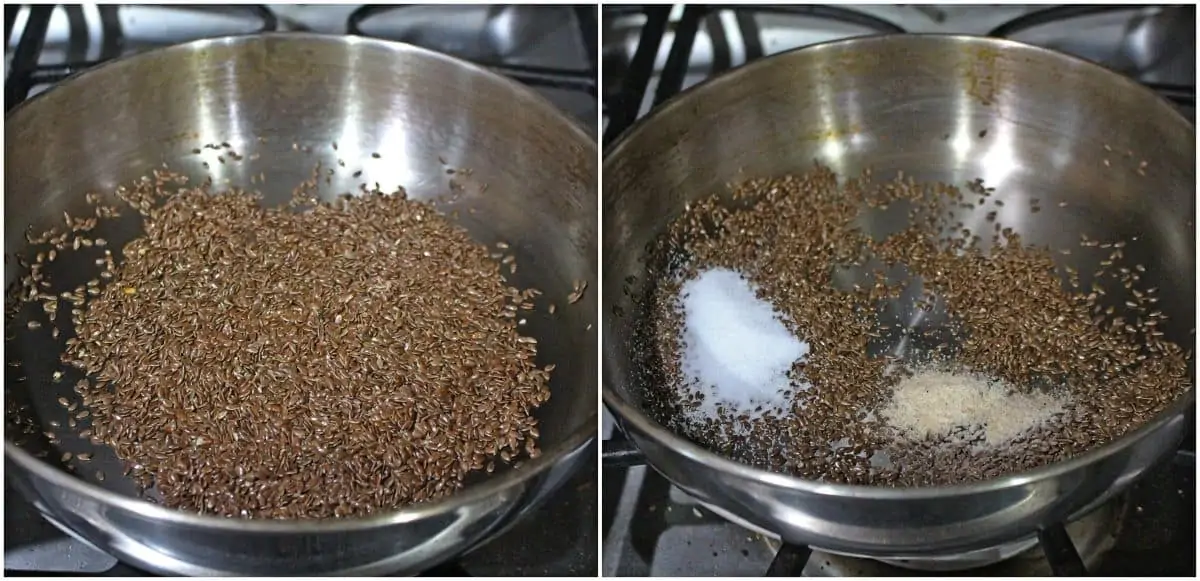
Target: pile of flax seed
(307, 361)
(1011, 316)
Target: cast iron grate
(1181, 95)
(623, 109)
(550, 77)
(24, 71)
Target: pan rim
(626, 412)
(575, 441)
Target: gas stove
(551, 49)
(651, 54)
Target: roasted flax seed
(343, 359)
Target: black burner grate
(628, 99)
(623, 109)
(550, 77)
(24, 71)
(1179, 94)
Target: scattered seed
(580, 287)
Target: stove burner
(1143, 532)
(1068, 551)
(1094, 535)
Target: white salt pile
(736, 350)
(937, 403)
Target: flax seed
(299, 352)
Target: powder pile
(737, 353)
(934, 403)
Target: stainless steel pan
(918, 104)
(417, 109)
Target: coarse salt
(736, 350)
